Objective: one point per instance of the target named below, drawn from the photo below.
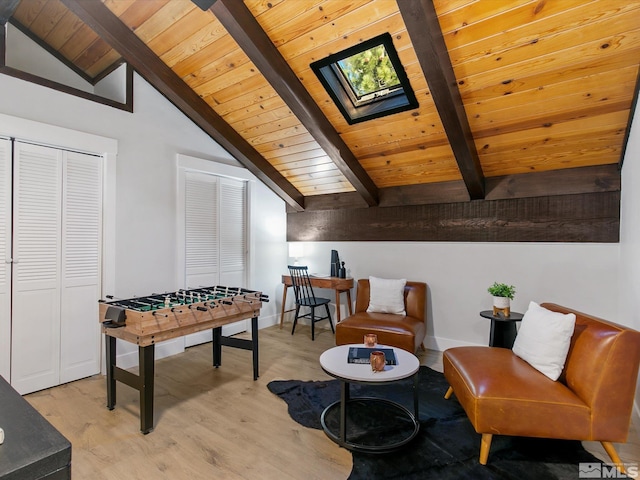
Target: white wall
(630, 233)
(579, 276)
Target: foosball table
(145, 321)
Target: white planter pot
(501, 302)
(502, 305)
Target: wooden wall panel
(573, 205)
(592, 217)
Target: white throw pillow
(543, 339)
(386, 295)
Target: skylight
(366, 81)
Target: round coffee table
(369, 424)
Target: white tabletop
(334, 362)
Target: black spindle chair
(306, 298)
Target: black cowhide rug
(447, 446)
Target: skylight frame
(357, 110)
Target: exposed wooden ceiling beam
(7, 7)
(422, 25)
(247, 32)
(109, 27)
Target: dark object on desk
(503, 329)
(361, 355)
(335, 263)
(306, 298)
(342, 271)
(32, 448)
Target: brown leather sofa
(406, 332)
(592, 399)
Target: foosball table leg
(254, 346)
(146, 357)
(110, 347)
(217, 346)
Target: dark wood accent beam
(7, 9)
(246, 31)
(109, 27)
(584, 218)
(422, 25)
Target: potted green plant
(502, 296)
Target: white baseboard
(441, 344)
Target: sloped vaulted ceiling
(521, 125)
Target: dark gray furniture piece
(503, 329)
(33, 449)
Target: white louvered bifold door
(233, 233)
(201, 230)
(35, 338)
(5, 258)
(57, 231)
(81, 247)
(215, 238)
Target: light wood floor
(214, 423)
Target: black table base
(368, 424)
(144, 381)
(503, 329)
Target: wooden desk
(334, 283)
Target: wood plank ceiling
(505, 89)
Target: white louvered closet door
(233, 233)
(80, 275)
(215, 238)
(35, 336)
(5, 258)
(201, 230)
(57, 205)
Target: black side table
(503, 329)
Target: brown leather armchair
(406, 332)
(592, 400)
